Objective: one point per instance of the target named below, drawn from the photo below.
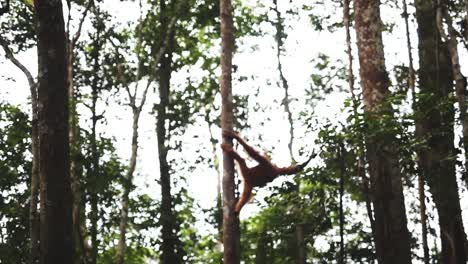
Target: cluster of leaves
(15, 165)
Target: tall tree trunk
(300, 241)
(55, 191)
(231, 229)
(360, 164)
(168, 254)
(128, 186)
(421, 194)
(392, 236)
(349, 53)
(466, 20)
(73, 133)
(341, 160)
(438, 159)
(219, 200)
(261, 254)
(136, 110)
(460, 79)
(279, 35)
(95, 160)
(33, 213)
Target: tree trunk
(136, 110)
(436, 120)
(74, 135)
(411, 84)
(55, 191)
(128, 185)
(231, 229)
(341, 160)
(466, 20)
(95, 159)
(460, 79)
(168, 254)
(301, 247)
(261, 254)
(33, 213)
(392, 236)
(219, 203)
(360, 164)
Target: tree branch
(9, 55)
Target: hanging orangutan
(259, 175)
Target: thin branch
(346, 21)
(9, 55)
(80, 23)
(286, 100)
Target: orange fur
(257, 176)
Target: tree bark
(55, 191)
(421, 194)
(219, 203)
(436, 119)
(95, 159)
(349, 53)
(231, 229)
(168, 254)
(466, 20)
(341, 160)
(74, 135)
(136, 110)
(300, 241)
(460, 79)
(128, 186)
(360, 165)
(261, 254)
(391, 236)
(74, 155)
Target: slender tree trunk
(360, 146)
(73, 133)
(95, 160)
(349, 52)
(261, 255)
(231, 229)
(341, 160)
(136, 110)
(436, 119)
(55, 191)
(219, 201)
(392, 236)
(33, 213)
(460, 79)
(421, 194)
(284, 82)
(94, 199)
(168, 254)
(466, 20)
(128, 186)
(301, 249)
